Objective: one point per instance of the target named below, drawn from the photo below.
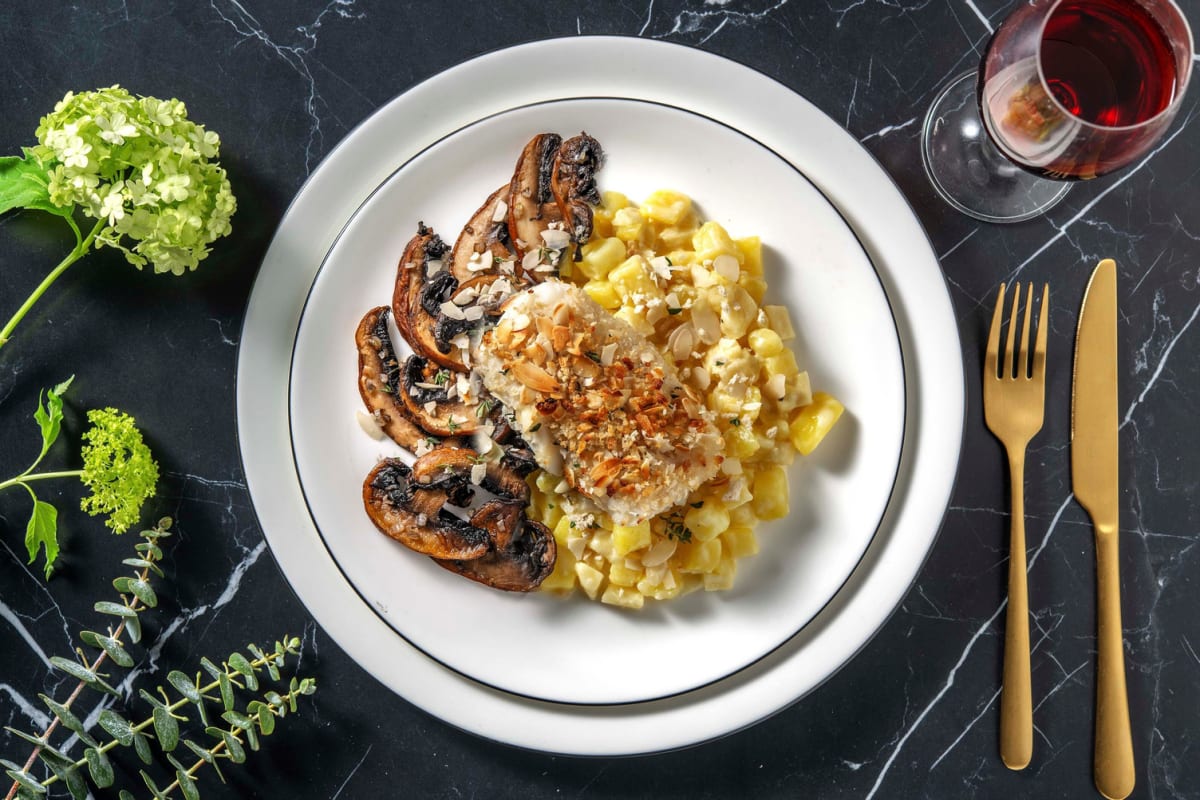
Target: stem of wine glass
(968, 170)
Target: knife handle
(1016, 696)
(1114, 768)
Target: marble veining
(914, 715)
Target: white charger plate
(727, 92)
(580, 652)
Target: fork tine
(1039, 349)
(992, 355)
(1010, 350)
(1024, 357)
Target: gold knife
(1094, 479)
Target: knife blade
(1094, 450)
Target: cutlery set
(1014, 398)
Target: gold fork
(1014, 396)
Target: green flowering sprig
(229, 729)
(138, 167)
(118, 470)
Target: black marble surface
(913, 715)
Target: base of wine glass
(967, 169)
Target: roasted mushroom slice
(573, 182)
(413, 513)
(379, 380)
(531, 204)
(468, 305)
(483, 239)
(422, 285)
(465, 465)
(521, 567)
(431, 396)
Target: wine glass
(1068, 90)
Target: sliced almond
(535, 377)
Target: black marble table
(913, 715)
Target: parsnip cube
(739, 541)
(751, 250)
(600, 257)
(626, 597)
(666, 207)
(603, 293)
(621, 575)
(814, 421)
(590, 579)
(627, 538)
(698, 557)
(708, 521)
(770, 492)
(721, 578)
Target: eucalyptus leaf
(99, 767)
(237, 719)
(142, 591)
(115, 609)
(142, 563)
(117, 727)
(74, 669)
(211, 668)
(36, 741)
(226, 685)
(27, 781)
(266, 720)
(202, 753)
(187, 785)
(68, 773)
(237, 753)
(252, 737)
(125, 794)
(166, 728)
(141, 744)
(65, 716)
(152, 786)
(184, 685)
(245, 669)
(273, 670)
(122, 583)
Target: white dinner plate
(578, 651)
(495, 86)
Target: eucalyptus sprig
(238, 728)
(142, 176)
(118, 470)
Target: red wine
(1108, 62)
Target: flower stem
(40, 476)
(77, 253)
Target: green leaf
(142, 591)
(211, 668)
(68, 719)
(203, 754)
(132, 624)
(74, 669)
(121, 584)
(41, 533)
(142, 563)
(117, 727)
(154, 790)
(166, 728)
(26, 781)
(252, 737)
(141, 745)
(237, 719)
(184, 685)
(237, 753)
(99, 767)
(226, 691)
(245, 669)
(273, 670)
(49, 417)
(116, 651)
(68, 773)
(187, 785)
(266, 720)
(36, 741)
(24, 183)
(125, 794)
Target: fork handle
(1016, 694)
